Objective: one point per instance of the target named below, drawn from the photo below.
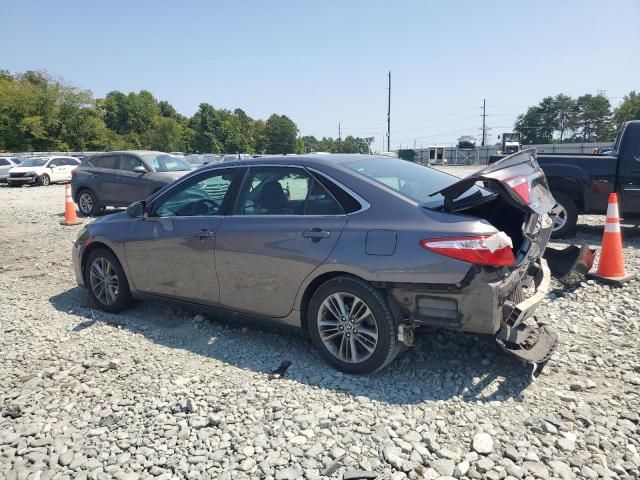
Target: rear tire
(362, 341)
(567, 220)
(44, 180)
(106, 281)
(87, 202)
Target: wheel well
(79, 191)
(311, 289)
(93, 246)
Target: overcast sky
(324, 62)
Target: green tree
(206, 124)
(593, 119)
(281, 133)
(629, 109)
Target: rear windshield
(163, 162)
(411, 179)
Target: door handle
(316, 234)
(203, 233)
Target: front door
(133, 186)
(170, 251)
(629, 174)
(284, 225)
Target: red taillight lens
(495, 250)
(520, 185)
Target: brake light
(494, 250)
(520, 185)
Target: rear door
(68, 165)
(104, 179)
(5, 165)
(284, 225)
(170, 252)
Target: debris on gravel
(161, 392)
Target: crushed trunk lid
(517, 177)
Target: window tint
(199, 196)
(128, 163)
(348, 203)
(108, 161)
(3, 162)
(284, 191)
(56, 162)
(70, 161)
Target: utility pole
(389, 117)
(484, 124)
(339, 138)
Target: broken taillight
(494, 250)
(520, 185)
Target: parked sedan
(6, 164)
(118, 179)
(357, 250)
(42, 171)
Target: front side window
(128, 163)
(203, 195)
(285, 191)
(163, 162)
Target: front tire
(44, 180)
(87, 203)
(106, 281)
(567, 219)
(352, 326)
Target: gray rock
(483, 443)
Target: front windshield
(412, 180)
(34, 162)
(163, 162)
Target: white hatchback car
(42, 171)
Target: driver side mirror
(136, 210)
(139, 169)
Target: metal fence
(480, 155)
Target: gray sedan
(356, 250)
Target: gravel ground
(164, 393)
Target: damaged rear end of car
(508, 276)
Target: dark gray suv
(117, 179)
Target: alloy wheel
(561, 218)
(347, 327)
(85, 202)
(45, 181)
(104, 281)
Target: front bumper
(486, 301)
(76, 254)
(21, 180)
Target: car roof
(309, 160)
(134, 152)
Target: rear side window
(3, 162)
(108, 161)
(70, 161)
(349, 204)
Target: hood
(26, 169)
(518, 178)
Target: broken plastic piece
(571, 264)
(333, 466)
(280, 371)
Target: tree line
(40, 113)
(587, 118)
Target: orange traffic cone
(611, 263)
(70, 217)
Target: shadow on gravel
(441, 366)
